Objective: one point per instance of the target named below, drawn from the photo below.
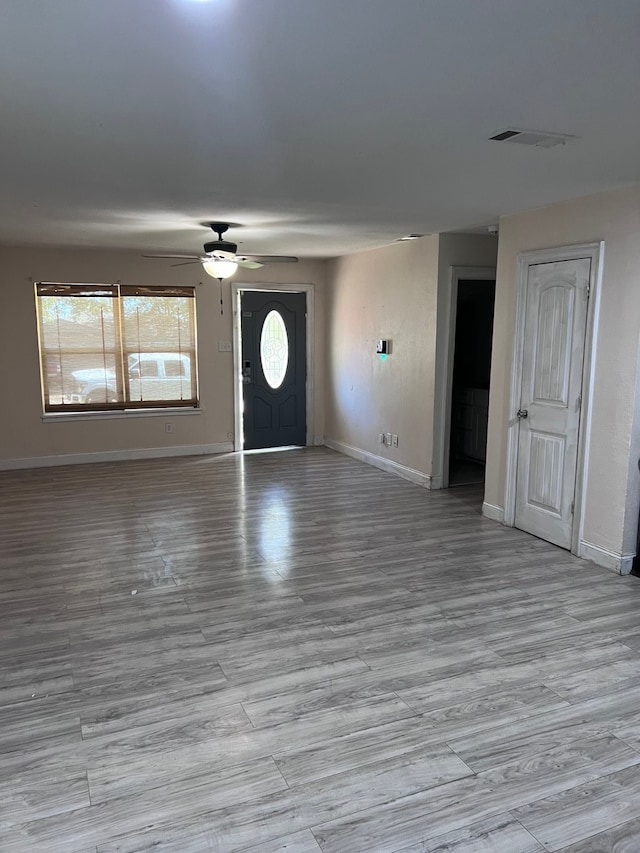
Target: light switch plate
(225, 346)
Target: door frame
(449, 309)
(595, 252)
(237, 288)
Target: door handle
(522, 414)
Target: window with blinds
(116, 347)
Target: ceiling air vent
(532, 137)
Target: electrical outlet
(387, 439)
(394, 440)
(168, 428)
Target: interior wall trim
(411, 474)
(115, 455)
(495, 513)
(619, 563)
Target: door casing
(237, 288)
(595, 252)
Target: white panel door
(550, 402)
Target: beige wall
(612, 477)
(24, 435)
(383, 293)
(390, 293)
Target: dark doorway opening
(471, 373)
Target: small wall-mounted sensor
(383, 347)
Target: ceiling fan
(221, 258)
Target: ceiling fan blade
(186, 263)
(241, 260)
(220, 254)
(248, 265)
(269, 259)
(191, 257)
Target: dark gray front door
(274, 369)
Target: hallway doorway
(474, 309)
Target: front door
(274, 369)
(550, 401)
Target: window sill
(55, 417)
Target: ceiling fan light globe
(219, 267)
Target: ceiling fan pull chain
(221, 303)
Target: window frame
(118, 292)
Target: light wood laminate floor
(297, 652)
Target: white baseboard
(495, 513)
(620, 563)
(318, 440)
(387, 465)
(436, 481)
(115, 455)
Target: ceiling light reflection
(274, 539)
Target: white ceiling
(324, 126)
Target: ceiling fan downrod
(220, 245)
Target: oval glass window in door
(274, 349)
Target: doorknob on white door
(522, 414)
